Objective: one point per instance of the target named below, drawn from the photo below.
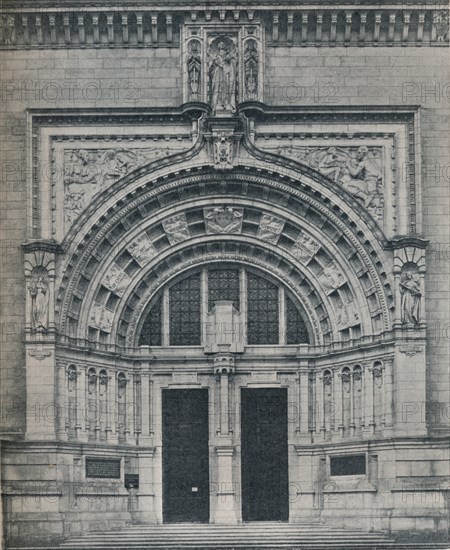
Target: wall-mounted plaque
(103, 468)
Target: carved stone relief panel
(347, 315)
(223, 220)
(176, 229)
(116, 280)
(270, 228)
(101, 317)
(304, 248)
(142, 249)
(331, 278)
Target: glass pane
(262, 311)
(296, 332)
(184, 314)
(223, 284)
(151, 330)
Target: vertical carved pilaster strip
(81, 412)
(420, 28)
(319, 405)
(125, 34)
(304, 27)
(113, 411)
(110, 25)
(62, 402)
(95, 29)
(303, 403)
(140, 28)
(376, 31)
(336, 405)
(25, 30)
(154, 29)
(340, 403)
(392, 17)
(362, 27)
(352, 405)
(275, 22)
(98, 408)
(290, 24)
(129, 408)
(406, 21)
(368, 400)
(39, 36)
(348, 26)
(224, 403)
(243, 302)
(319, 28)
(66, 24)
(52, 23)
(333, 29)
(389, 394)
(169, 27)
(145, 405)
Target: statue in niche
(39, 292)
(194, 69)
(410, 302)
(251, 59)
(222, 76)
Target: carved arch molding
(165, 204)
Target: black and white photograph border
(224, 299)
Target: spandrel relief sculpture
(222, 73)
(358, 169)
(88, 172)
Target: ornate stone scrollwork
(224, 220)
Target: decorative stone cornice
(129, 24)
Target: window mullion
(281, 316)
(204, 304)
(243, 306)
(165, 317)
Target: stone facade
(306, 145)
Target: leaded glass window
(152, 327)
(262, 306)
(223, 284)
(184, 312)
(296, 332)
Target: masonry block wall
(119, 78)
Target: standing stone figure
(222, 79)
(251, 69)
(194, 67)
(39, 304)
(411, 293)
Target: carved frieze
(176, 229)
(270, 228)
(223, 220)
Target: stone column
(303, 404)
(129, 409)
(319, 406)
(111, 430)
(352, 405)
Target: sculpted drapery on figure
(194, 67)
(222, 75)
(410, 303)
(39, 303)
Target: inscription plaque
(103, 468)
